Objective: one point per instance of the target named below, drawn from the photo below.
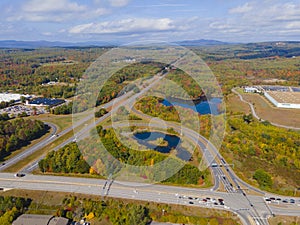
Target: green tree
(263, 178)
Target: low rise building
(251, 90)
(45, 102)
(32, 219)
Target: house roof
(30, 219)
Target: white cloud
(118, 3)
(139, 25)
(55, 11)
(263, 18)
(36, 6)
(241, 9)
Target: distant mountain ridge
(201, 42)
(49, 44)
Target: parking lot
(18, 109)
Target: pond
(202, 107)
(172, 141)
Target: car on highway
(191, 202)
(268, 200)
(20, 175)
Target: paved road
(233, 202)
(257, 117)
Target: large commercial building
(7, 97)
(283, 97)
(45, 102)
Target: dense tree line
(6, 104)
(26, 70)
(4, 117)
(153, 106)
(188, 84)
(118, 212)
(263, 178)
(66, 160)
(117, 84)
(64, 109)
(19, 132)
(11, 207)
(258, 145)
(100, 112)
(115, 212)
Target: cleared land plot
(266, 111)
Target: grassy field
(235, 106)
(62, 121)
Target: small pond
(202, 107)
(146, 139)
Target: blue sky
(165, 20)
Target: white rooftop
(6, 97)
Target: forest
(11, 207)
(257, 145)
(62, 109)
(17, 133)
(66, 160)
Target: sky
(141, 20)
